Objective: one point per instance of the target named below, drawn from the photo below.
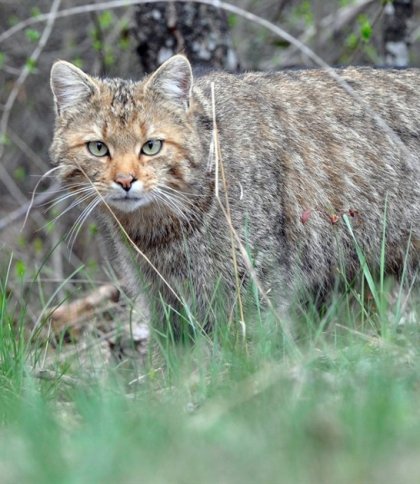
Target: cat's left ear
(173, 80)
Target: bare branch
(4, 121)
(330, 25)
(27, 150)
(20, 212)
(242, 13)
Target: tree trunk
(201, 32)
(396, 39)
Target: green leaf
(304, 10)
(38, 245)
(21, 241)
(12, 20)
(97, 45)
(78, 62)
(232, 20)
(109, 57)
(352, 40)
(4, 140)
(19, 173)
(31, 65)
(32, 35)
(92, 264)
(124, 43)
(105, 19)
(365, 28)
(35, 11)
(2, 59)
(50, 226)
(20, 269)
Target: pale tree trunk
(396, 36)
(199, 31)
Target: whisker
(171, 203)
(34, 193)
(74, 204)
(187, 194)
(42, 176)
(166, 189)
(180, 197)
(186, 205)
(74, 232)
(176, 206)
(80, 218)
(64, 197)
(68, 186)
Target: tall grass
(221, 409)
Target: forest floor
(338, 405)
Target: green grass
(340, 407)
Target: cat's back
(306, 95)
(298, 140)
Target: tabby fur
(298, 153)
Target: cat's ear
(173, 80)
(70, 86)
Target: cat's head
(130, 144)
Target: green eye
(152, 147)
(97, 148)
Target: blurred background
(129, 41)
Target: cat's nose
(125, 180)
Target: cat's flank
(297, 152)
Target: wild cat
(294, 152)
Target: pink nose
(125, 180)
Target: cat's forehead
(120, 96)
(122, 113)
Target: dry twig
(24, 73)
(70, 314)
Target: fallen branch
(70, 314)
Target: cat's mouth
(128, 203)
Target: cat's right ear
(70, 86)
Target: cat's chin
(128, 205)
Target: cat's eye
(152, 147)
(97, 148)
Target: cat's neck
(151, 227)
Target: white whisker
(171, 203)
(46, 174)
(182, 199)
(186, 194)
(74, 231)
(185, 201)
(66, 187)
(74, 204)
(177, 206)
(64, 197)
